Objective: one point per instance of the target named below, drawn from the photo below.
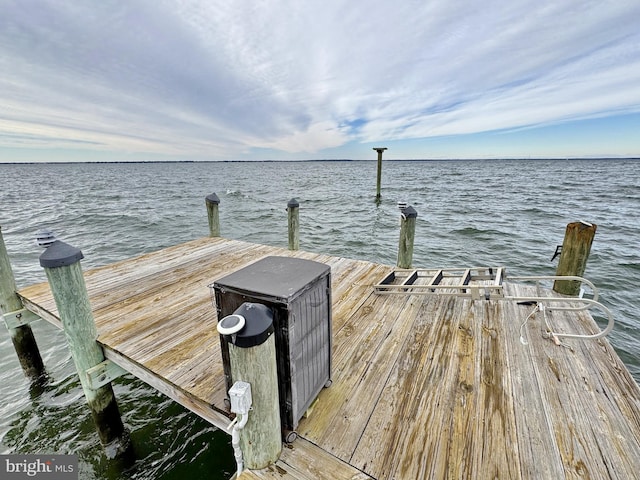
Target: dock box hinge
(19, 317)
(103, 373)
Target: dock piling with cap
(293, 207)
(407, 235)
(16, 319)
(62, 266)
(252, 356)
(574, 255)
(213, 201)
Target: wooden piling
(212, 202)
(62, 266)
(407, 235)
(252, 358)
(573, 258)
(294, 224)
(11, 307)
(379, 176)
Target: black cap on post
(409, 212)
(293, 203)
(213, 198)
(60, 254)
(258, 327)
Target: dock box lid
(276, 278)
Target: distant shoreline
(133, 162)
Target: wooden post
(212, 202)
(62, 266)
(573, 258)
(294, 224)
(407, 235)
(379, 177)
(11, 306)
(252, 358)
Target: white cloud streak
(212, 80)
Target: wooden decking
(423, 387)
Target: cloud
(207, 80)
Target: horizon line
(318, 160)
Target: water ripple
(501, 213)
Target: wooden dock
(423, 387)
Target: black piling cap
(213, 198)
(60, 254)
(258, 325)
(293, 203)
(409, 212)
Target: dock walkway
(423, 387)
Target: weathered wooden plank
(123, 277)
(364, 353)
(585, 432)
(409, 432)
(586, 435)
(165, 284)
(495, 404)
(305, 461)
(423, 387)
(532, 420)
(465, 412)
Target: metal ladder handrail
(587, 303)
(496, 292)
(539, 278)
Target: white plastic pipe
(235, 440)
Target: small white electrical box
(240, 396)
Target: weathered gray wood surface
(423, 387)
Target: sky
(206, 80)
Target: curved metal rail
(492, 288)
(587, 303)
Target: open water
(509, 213)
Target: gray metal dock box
(299, 293)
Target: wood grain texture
(260, 439)
(423, 386)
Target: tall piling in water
(61, 263)
(15, 317)
(574, 255)
(379, 176)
